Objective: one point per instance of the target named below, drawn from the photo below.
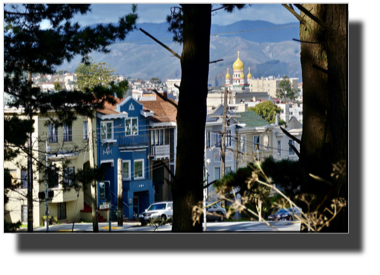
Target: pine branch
(166, 47)
(167, 168)
(295, 150)
(309, 42)
(303, 22)
(165, 99)
(291, 136)
(314, 18)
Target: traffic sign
(104, 206)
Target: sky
(156, 13)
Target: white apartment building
(269, 84)
(170, 84)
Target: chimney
(276, 121)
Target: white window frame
(134, 169)
(278, 147)
(66, 132)
(266, 147)
(215, 172)
(85, 130)
(130, 119)
(225, 172)
(129, 169)
(65, 179)
(254, 144)
(106, 123)
(52, 132)
(291, 151)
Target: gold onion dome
(238, 65)
(249, 76)
(228, 75)
(242, 75)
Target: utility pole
(30, 164)
(94, 203)
(223, 150)
(120, 192)
(205, 189)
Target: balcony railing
(161, 150)
(133, 141)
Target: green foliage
(286, 173)
(11, 227)
(285, 89)
(92, 74)
(155, 80)
(57, 86)
(267, 110)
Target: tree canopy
(93, 74)
(285, 89)
(267, 110)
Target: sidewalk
(84, 227)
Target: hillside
(146, 60)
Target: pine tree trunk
(337, 52)
(325, 113)
(187, 188)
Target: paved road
(211, 227)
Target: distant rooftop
(251, 119)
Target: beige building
(60, 143)
(269, 85)
(170, 85)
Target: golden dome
(228, 75)
(242, 75)
(238, 65)
(249, 76)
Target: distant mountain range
(268, 50)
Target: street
(211, 227)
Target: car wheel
(163, 218)
(143, 223)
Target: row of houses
(144, 135)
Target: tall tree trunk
(325, 127)
(337, 53)
(187, 188)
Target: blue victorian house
(122, 132)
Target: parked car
(160, 211)
(286, 214)
(215, 213)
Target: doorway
(136, 207)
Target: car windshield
(160, 206)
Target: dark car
(286, 214)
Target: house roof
(163, 110)
(110, 109)
(251, 119)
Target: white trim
(63, 156)
(122, 149)
(107, 161)
(113, 116)
(134, 169)
(162, 124)
(146, 114)
(127, 99)
(129, 169)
